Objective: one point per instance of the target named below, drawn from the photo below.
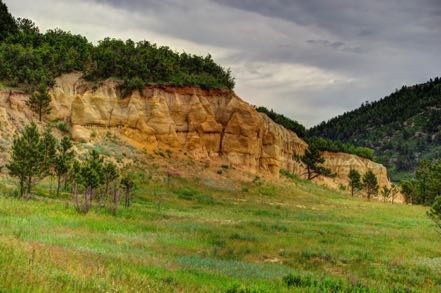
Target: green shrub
(287, 174)
(257, 181)
(63, 127)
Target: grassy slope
(207, 239)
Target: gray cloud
(310, 60)
(337, 45)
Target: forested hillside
(402, 128)
(29, 58)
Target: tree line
(29, 58)
(37, 155)
(425, 187)
(321, 143)
(286, 122)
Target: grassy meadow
(200, 236)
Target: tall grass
(292, 237)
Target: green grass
(268, 237)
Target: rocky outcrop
(213, 125)
(202, 124)
(342, 163)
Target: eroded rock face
(203, 124)
(14, 114)
(213, 125)
(342, 163)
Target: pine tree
(408, 188)
(110, 173)
(7, 23)
(386, 193)
(26, 158)
(312, 160)
(48, 150)
(422, 174)
(128, 185)
(434, 184)
(91, 177)
(40, 102)
(63, 160)
(370, 184)
(354, 181)
(394, 192)
(435, 213)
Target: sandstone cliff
(201, 124)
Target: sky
(308, 59)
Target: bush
(287, 174)
(63, 127)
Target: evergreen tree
(40, 102)
(394, 192)
(354, 181)
(370, 184)
(128, 185)
(110, 173)
(75, 177)
(434, 184)
(435, 213)
(48, 150)
(386, 193)
(26, 158)
(422, 175)
(408, 188)
(8, 26)
(91, 177)
(312, 160)
(63, 160)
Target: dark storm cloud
(308, 59)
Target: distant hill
(402, 128)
